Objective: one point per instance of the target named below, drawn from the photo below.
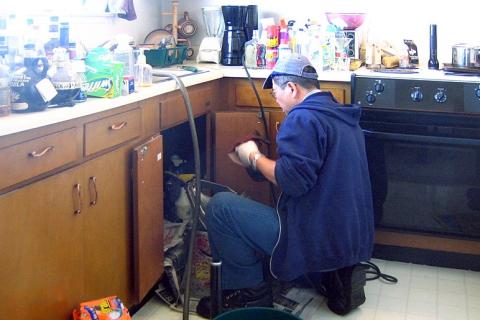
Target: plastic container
(166, 56)
(256, 314)
(142, 71)
(124, 53)
(64, 79)
(4, 89)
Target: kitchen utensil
(211, 46)
(234, 37)
(348, 21)
(186, 27)
(465, 55)
(157, 37)
(452, 68)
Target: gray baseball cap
(293, 65)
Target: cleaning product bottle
(251, 51)
(142, 71)
(124, 53)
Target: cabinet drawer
(173, 109)
(245, 96)
(31, 158)
(108, 132)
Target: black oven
(423, 146)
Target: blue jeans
(238, 230)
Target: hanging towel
(128, 11)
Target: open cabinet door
(148, 214)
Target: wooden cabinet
(147, 215)
(65, 239)
(42, 268)
(229, 128)
(173, 110)
(37, 156)
(112, 130)
(240, 94)
(107, 226)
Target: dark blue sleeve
(301, 147)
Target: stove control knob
(440, 96)
(379, 87)
(416, 95)
(477, 92)
(370, 97)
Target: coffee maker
(240, 21)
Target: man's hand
(243, 152)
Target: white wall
(386, 20)
(96, 30)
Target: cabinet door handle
(92, 187)
(118, 126)
(35, 154)
(77, 199)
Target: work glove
(244, 150)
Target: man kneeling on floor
(323, 223)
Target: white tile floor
(422, 293)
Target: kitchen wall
(386, 20)
(94, 28)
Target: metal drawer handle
(77, 199)
(92, 187)
(35, 154)
(118, 126)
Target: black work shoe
(344, 288)
(259, 296)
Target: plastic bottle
(142, 71)
(64, 34)
(124, 53)
(64, 79)
(284, 49)
(4, 88)
(15, 43)
(80, 68)
(3, 37)
(30, 87)
(53, 37)
(251, 51)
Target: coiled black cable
(373, 269)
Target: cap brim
(268, 82)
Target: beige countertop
(18, 122)
(15, 123)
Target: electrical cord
(373, 269)
(264, 121)
(196, 209)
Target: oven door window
(425, 183)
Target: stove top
(427, 91)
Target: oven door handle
(421, 139)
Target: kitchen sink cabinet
(66, 231)
(65, 239)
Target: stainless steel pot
(475, 56)
(465, 55)
(461, 55)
